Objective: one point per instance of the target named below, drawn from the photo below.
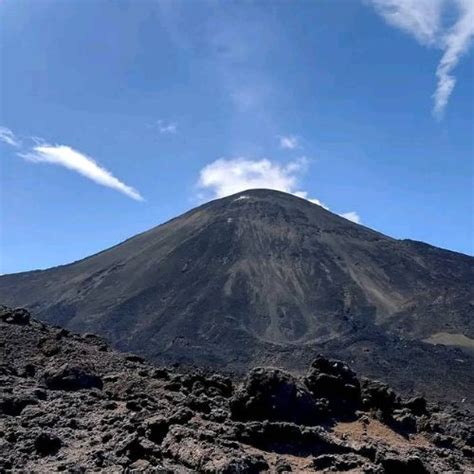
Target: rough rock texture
(265, 278)
(87, 408)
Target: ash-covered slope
(69, 403)
(263, 277)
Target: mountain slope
(266, 277)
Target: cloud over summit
(224, 177)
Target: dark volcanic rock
(265, 278)
(271, 394)
(379, 396)
(335, 381)
(417, 405)
(71, 378)
(14, 316)
(96, 410)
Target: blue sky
(118, 115)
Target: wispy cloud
(352, 216)
(289, 142)
(8, 137)
(229, 176)
(167, 127)
(428, 21)
(420, 18)
(455, 44)
(76, 161)
(66, 156)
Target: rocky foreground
(70, 403)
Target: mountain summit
(264, 277)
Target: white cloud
(426, 21)
(420, 18)
(76, 161)
(167, 127)
(229, 176)
(455, 44)
(8, 137)
(351, 216)
(224, 177)
(304, 195)
(289, 142)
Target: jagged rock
(138, 423)
(134, 448)
(404, 420)
(275, 395)
(49, 347)
(217, 385)
(14, 316)
(201, 455)
(200, 404)
(334, 381)
(417, 405)
(376, 395)
(288, 438)
(71, 378)
(181, 416)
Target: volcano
(266, 278)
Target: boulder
(335, 381)
(49, 347)
(417, 405)
(14, 316)
(403, 420)
(71, 378)
(287, 438)
(378, 396)
(275, 395)
(198, 451)
(135, 447)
